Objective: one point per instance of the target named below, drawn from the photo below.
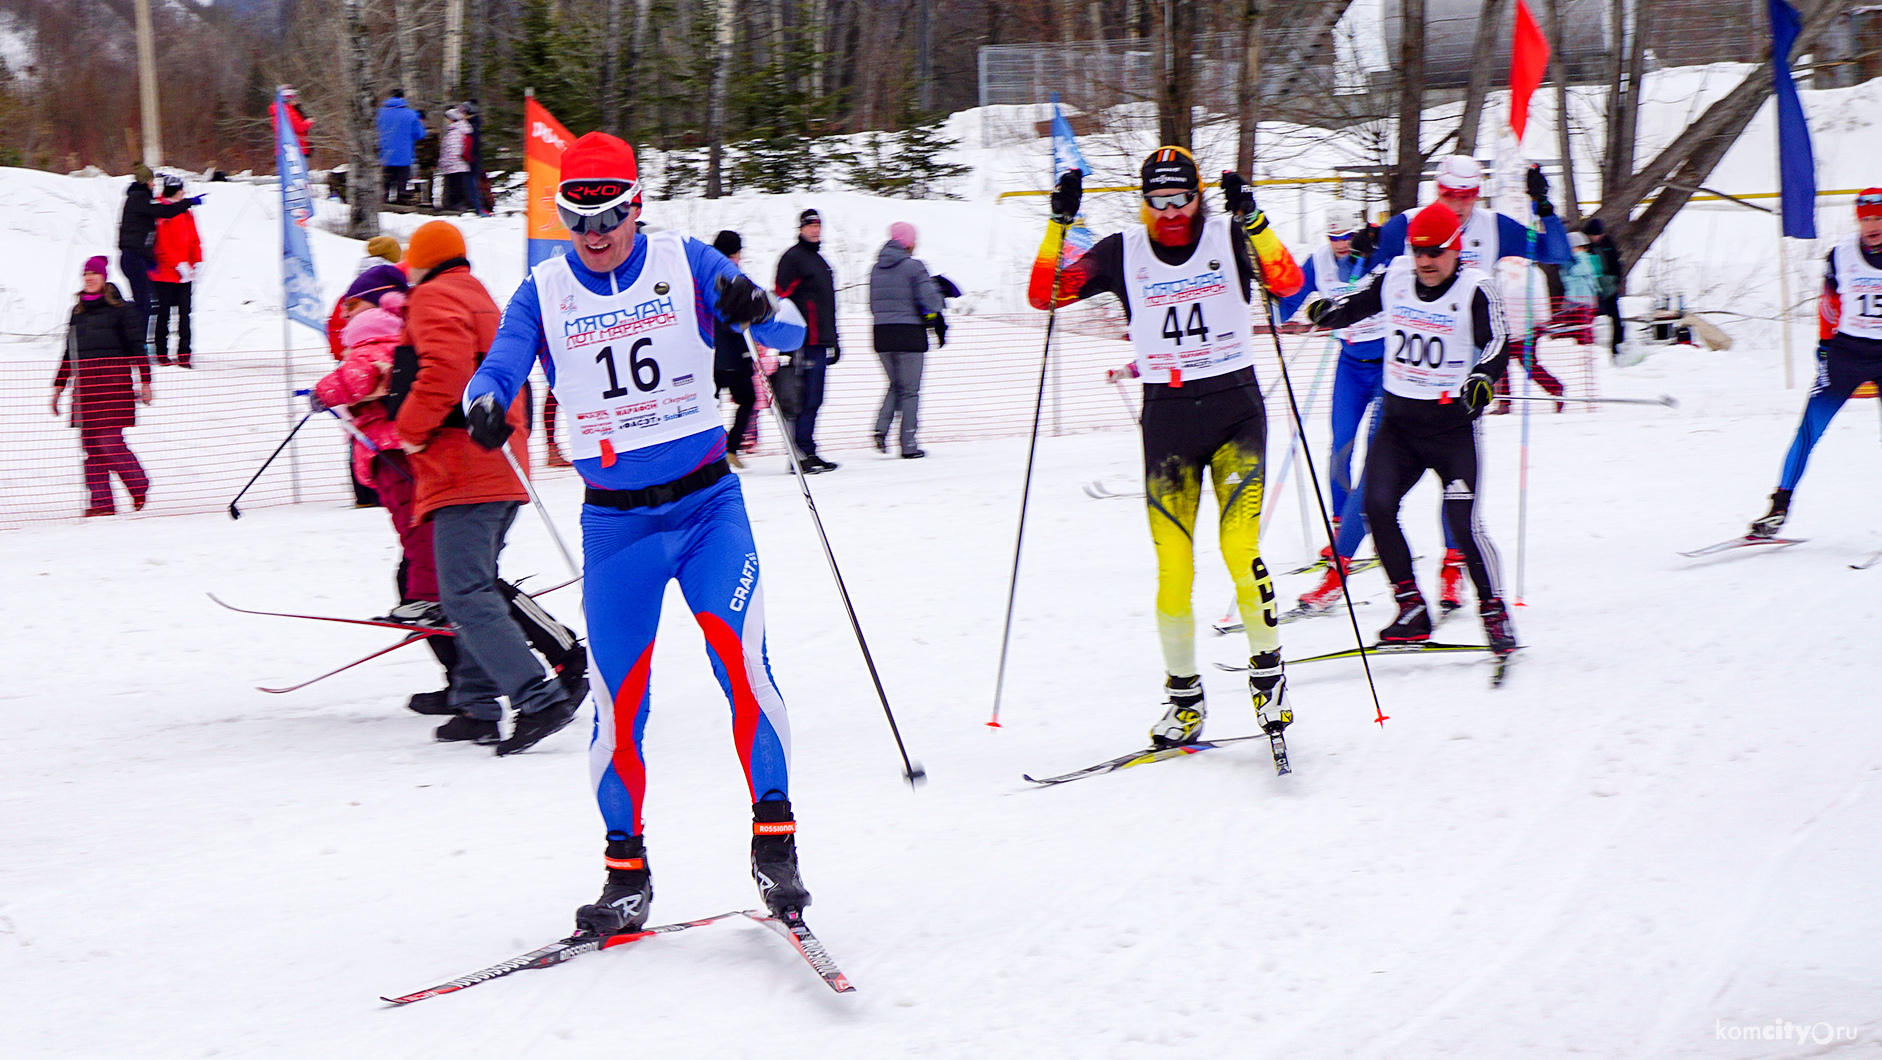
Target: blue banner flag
(1066, 157)
(300, 290)
(1797, 165)
(1065, 153)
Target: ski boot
(1413, 623)
(627, 897)
(1451, 581)
(1326, 551)
(774, 859)
(427, 613)
(1325, 598)
(479, 731)
(1496, 625)
(1182, 723)
(1268, 686)
(1768, 524)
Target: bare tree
(362, 161)
(1676, 173)
(1482, 67)
(725, 21)
(1408, 165)
(1248, 88)
(1558, 72)
(1176, 40)
(1626, 67)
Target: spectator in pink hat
(906, 304)
(104, 349)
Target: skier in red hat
(624, 325)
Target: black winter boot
(1413, 623)
(774, 859)
(627, 897)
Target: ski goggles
(1343, 237)
(1869, 205)
(595, 205)
(1170, 200)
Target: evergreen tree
(905, 164)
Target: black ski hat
(1171, 169)
(809, 217)
(727, 242)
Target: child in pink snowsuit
(373, 305)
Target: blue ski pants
(1845, 365)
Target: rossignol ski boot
(774, 859)
(627, 897)
(1413, 623)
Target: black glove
(1823, 351)
(835, 356)
(315, 404)
(1066, 197)
(1366, 240)
(1317, 309)
(1478, 392)
(940, 325)
(743, 303)
(488, 424)
(1237, 196)
(1539, 191)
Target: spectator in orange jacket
(470, 495)
(179, 255)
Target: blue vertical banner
(1797, 164)
(1066, 157)
(300, 290)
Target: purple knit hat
(376, 281)
(96, 263)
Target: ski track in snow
(1662, 824)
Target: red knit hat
(1434, 226)
(598, 171)
(1869, 204)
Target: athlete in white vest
(624, 324)
(1488, 236)
(1849, 350)
(1445, 347)
(1186, 280)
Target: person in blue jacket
(1488, 237)
(400, 129)
(624, 325)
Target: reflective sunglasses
(595, 205)
(606, 221)
(1170, 200)
(1428, 252)
(1459, 193)
(1868, 206)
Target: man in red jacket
(179, 254)
(470, 496)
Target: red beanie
(1434, 226)
(1869, 204)
(595, 168)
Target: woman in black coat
(104, 350)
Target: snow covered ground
(1660, 832)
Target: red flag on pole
(1529, 57)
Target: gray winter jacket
(900, 289)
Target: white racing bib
(1188, 321)
(1859, 287)
(630, 368)
(1429, 346)
(1326, 275)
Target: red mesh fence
(212, 426)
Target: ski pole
(346, 424)
(235, 512)
(536, 499)
(911, 770)
(1666, 400)
(1032, 448)
(1326, 521)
